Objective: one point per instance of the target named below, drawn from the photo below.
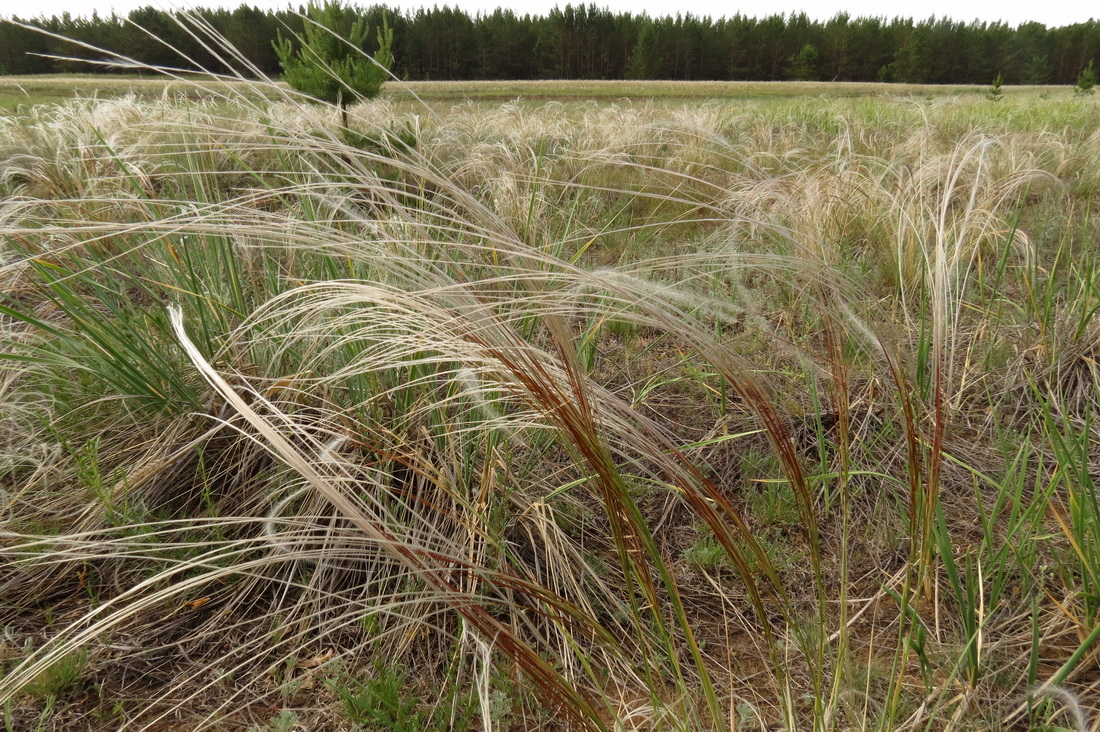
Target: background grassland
(754, 414)
(26, 91)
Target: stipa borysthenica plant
(415, 400)
(106, 318)
(401, 404)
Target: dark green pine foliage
(582, 41)
(1086, 80)
(647, 59)
(1037, 71)
(913, 61)
(330, 64)
(23, 50)
(804, 65)
(996, 93)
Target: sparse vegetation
(634, 415)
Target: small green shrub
(380, 702)
(284, 721)
(1086, 80)
(61, 676)
(706, 554)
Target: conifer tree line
(587, 42)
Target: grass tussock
(595, 416)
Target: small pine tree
(331, 65)
(995, 91)
(1086, 80)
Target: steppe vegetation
(23, 92)
(773, 414)
(20, 93)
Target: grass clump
(608, 416)
(58, 678)
(380, 701)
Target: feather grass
(466, 405)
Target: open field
(18, 92)
(26, 91)
(672, 90)
(601, 413)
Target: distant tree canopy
(584, 42)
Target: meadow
(24, 92)
(659, 411)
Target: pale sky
(1014, 12)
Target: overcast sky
(1014, 12)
